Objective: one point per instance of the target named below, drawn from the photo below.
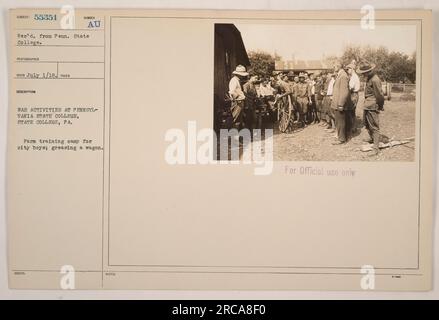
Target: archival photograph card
(220, 150)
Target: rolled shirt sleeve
(235, 90)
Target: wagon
(280, 113)
(284, 108)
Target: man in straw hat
(237, 95)
(373, 102)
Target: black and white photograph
(334, 92)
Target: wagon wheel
(284, 114)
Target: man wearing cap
(284, 83)
(236, 94)
(251, 96)
(301, 95)
(291, 98)
(319, 97)
(354, 87)
(373, 102)
(274, 83)
(341, 102)
(312, 112)
(294, 83)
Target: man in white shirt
(235, 88)
(329, 86)
(265, 89)
(354, 87)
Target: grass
(313, 143)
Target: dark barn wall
(221, 69)
(229, 52)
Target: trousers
(340, 124)
(371, 121)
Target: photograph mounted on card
(220, 150)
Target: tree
(261, 63)
(351, 53)
(411, 69)
(390, 66)
(331, 60)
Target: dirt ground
(313, 143)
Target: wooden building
(297, 66)
(229, 52)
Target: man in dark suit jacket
(341, 102)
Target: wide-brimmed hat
(366, 67)
(291, 74)
(352, 64)
(240, 70)
(302, 75)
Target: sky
(311, 42)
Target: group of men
(328, 98)
(340, 96)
